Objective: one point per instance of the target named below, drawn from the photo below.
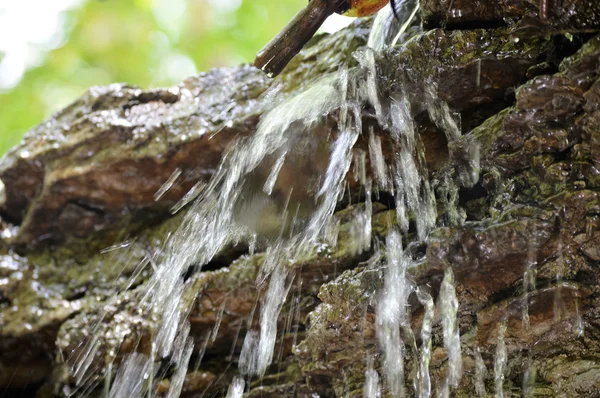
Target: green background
(148, 43)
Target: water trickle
(189, 197)
(268, 188)
(424, 379)
(578, 327)
(448, 307)
(378, 163)
(392, 313)
(128, 382)
(372, 388)
(412, 192)
(387, 30)
(236, 389)
(2, 194)
(360, 226)
(182, 360)
(273, 301)
(167, 185)
(360, 168)
(500, 360)
(480, 374)
(529, 379)
(383, 29)
(529, 280)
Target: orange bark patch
(361, 8)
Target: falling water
(392, 313)
(246, 202)
(236, 389)
(480, 373)
(448, 307)
(387, 30)
(424, 380)
(578, 327)
(500, 361)
(529, 379)
(167, 185)
(529, 279)
(218, 219)
(407, 179)
(371, 389)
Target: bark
(527, 95)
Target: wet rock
(537, 211)
(541, 16)
(97, 165)
(89, 175)
(40, 292)
(465, 68)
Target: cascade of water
(230, 210)
(215, 221)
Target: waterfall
(277, 191)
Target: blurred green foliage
(142, 42)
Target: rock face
(528, 95)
